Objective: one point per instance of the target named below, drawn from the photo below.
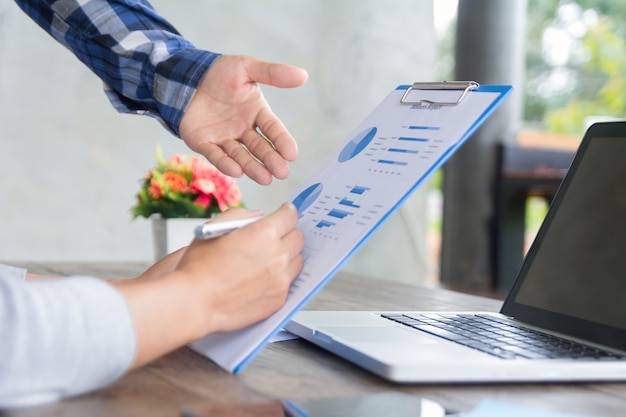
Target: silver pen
(211, 230)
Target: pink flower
(206, 188)
(212, 184)
(227, 193)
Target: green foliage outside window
(575, 62)
(589, 78)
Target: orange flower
(175, 181)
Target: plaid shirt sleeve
(146, 65)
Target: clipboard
(407, 137)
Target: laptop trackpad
(375, 334)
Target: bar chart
(334, 212)
(393, 154)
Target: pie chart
(307, 197)
(357, 144)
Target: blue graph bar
(424, 127)
(349, 203)
(412, 139)
(324, 224)
(340, 214)
(388, 162)
(358, 190)
(402, 150)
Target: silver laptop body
(570, 291)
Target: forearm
(147, 67)
(165, 315)
(159, 303)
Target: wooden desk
(297, 369)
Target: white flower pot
(171, 234)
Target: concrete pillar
(489, 50)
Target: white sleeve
(60, 338)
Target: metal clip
(466, 86)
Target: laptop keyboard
(500, 338)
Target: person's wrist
(180, 84)
(196, 309)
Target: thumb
(277, 75)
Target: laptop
(564, 319)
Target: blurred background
(70, 166)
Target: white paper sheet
(355, 190)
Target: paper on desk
(492, 408)
(355, 190)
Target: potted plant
(180, 193)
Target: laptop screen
(573, 279)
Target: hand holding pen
(257, 267)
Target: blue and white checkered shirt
(146, 65)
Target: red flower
(155, 191)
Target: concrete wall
(70, 165)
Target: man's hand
(215, 285)
(230, 123)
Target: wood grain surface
(299, 370)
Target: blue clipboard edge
(503, 90)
